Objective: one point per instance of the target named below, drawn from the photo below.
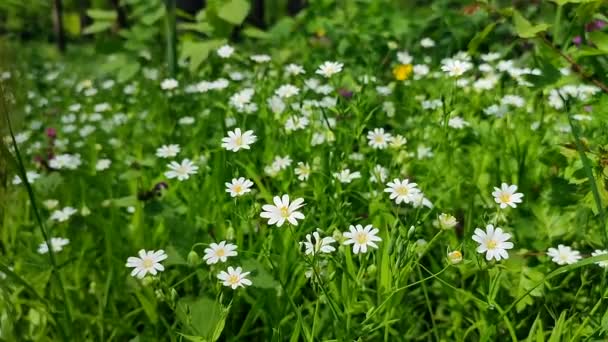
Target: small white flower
(302, 170)
(283, 210)
(345, 176)
(455, 68)
(286, 91)
(281, 163)
(30, 175)
(103, 164)
(361, 238)
(181, 171)
(455, 257)
(378, 174)
(260, 58)
(378, 139)
(294, 69)
(506, 195)
(225, 51)
(169, 84)
(493, 242)
(50, 204)
(402, 190)
(237, 140)
(457, 122)
(427, 42)
(239, 186)
(219, 252)
(56, 243)
(445, 221)
(167, 151)
(564, 255)
(404, 57)
(597, 252)
(295, 123)
(314, 244)
(148, 262)
(328, 69)
(234, 278)
(63, 214)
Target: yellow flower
(403, 71)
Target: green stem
(170, 36)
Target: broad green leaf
(155, 16)
(197, 52)
(128, 71)
(600, 39)
(259, 276)
(104, 15)
(234, 11)
(98, 26)
(525, 29)
(173, 257)
(201, 317)
(549, 74)
(254, 32)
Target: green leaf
(254, 32)
(525, 29)
(148, 306)
(98, 26)
(259, 276)
(234, 11)
(128, 71)
(480, 37)
(202, 318)
(549, 74)
(600, 39)
(197, 52)
(99, 14)
(563, 2)
(173, 257)
(155, 16)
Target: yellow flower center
(148, 263)
(284, 212)
(402, 190)
(238, 189)
(238, 141)
(220, 252)
(505, 197)
(492, 244)
(233, 279)
(361, 238)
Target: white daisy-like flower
(234, 278)
(427, 42)
(283, 210)
(30, 175)
(281, 163)
(493, 242)
(181, 171)
(378, 174)
(402, 190)
(295, 123)
(239, 187)
(598, 252)
(286, 91)
(457, 122)
(148, 262)
(361, 238)
(455, 68)
(404, 57)
(328, 69)
(169, 84)
(564, 255)
(219, 252)
(314, 244)
(294, 69)
(63, 214)
(345, 176)
(57, 244)
(378, 139)
(102, 164)
(237, 140)
(302, 170)
(225, 51)
(445, 221)
(260, 58)
(506, 195)
(168, 151)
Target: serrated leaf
(99, 14)
(525, 29)
(234, 11)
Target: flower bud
(455, 257)
(193, 258)
(230, 233)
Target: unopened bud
(193, 258)
(455, 257)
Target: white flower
(65, 161)
(286, 91)
(30, 175)
(281, 163)
(56, 243)
(234, 278)
(294, 69)
(378, 139)
(260, 58)
(239, 187)
(345, 176)
(513, 100)
(404, 57)
(237, 140)
(295, 123)
(490, 57)
(242, 99)
(225, 51)
(186, 120)
(493, 242)
(167, 151)
(427, 42)
(148, 262)
(457, 122)
(421, 70)
(314, 244)
(328, 68)
(63, 214)
(398, 141)
(103, 164)
(455, 68)
(219, 252)
(455, 257)
(445, 221)
(283, 210)
(506, 195)
(597, 252)
(361, 237)
(564, 255)
(277, 106)
(169, 84)
(302, 170)
(402, 190)
(378, 174)
(50, 204)
(181, 171)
